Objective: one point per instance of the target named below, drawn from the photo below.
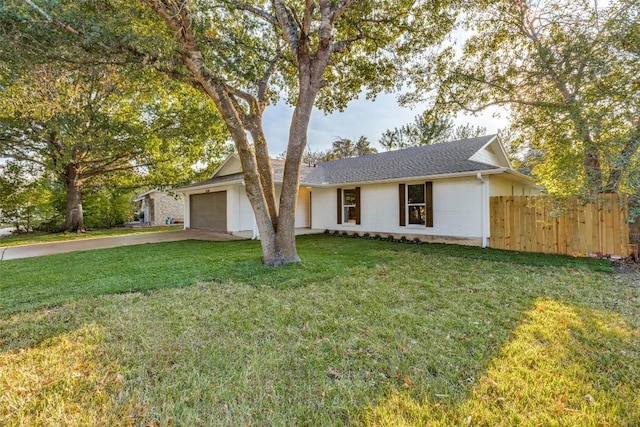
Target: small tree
(24, 198)
(428, 128)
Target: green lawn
(41, 237)
(359, 333)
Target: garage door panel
(209, 211)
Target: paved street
(40, 249)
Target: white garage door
(209, 211)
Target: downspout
(484, 209)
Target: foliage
(346, 337)
(243, 56)
(428, 128)
(341, 148)
(93, 124)
(25, 199)
(106, 207)
(568, 72)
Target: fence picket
(560, 225)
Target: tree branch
(260, 13)
(167, 67)
(288, 25)
(339, 8)
(341, 46)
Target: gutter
(408, 178)
(484, 209)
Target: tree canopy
(83, 124)
(568, 71)
(427, 128)
(341, 148)
(244, 55)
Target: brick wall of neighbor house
(166, 205)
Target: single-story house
(157, 206)
(436, 192)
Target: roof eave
(223, 164)
(524, 178)
(505, 156)
(465, 174)
(142, 196)
(187, 189)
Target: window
(416, 204)
(349, 206)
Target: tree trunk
(286, 233)
(593, 168)
(277, 230)
(624, 161)
(73, 219)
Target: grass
(360, 333)
(40, 237)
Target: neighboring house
(157, 206)
(436, 192)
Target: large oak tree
(245, 54)
(568, 71)
(83, 125)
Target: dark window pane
(350, 214)
(417, 215)
(349, 197)
(416, 193)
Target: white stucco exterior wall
(303, 212)
(456, 209)
(240, 215)
(500, 186)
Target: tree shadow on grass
(63, 381)
(49, 281)
(564, 366)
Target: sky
(361, 117)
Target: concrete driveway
(40, 249)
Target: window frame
(422, 204)
(342, 213)
(405, 206)
(346, 207)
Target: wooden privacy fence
(560, 225)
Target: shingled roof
(415, 162)
(426, 160)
